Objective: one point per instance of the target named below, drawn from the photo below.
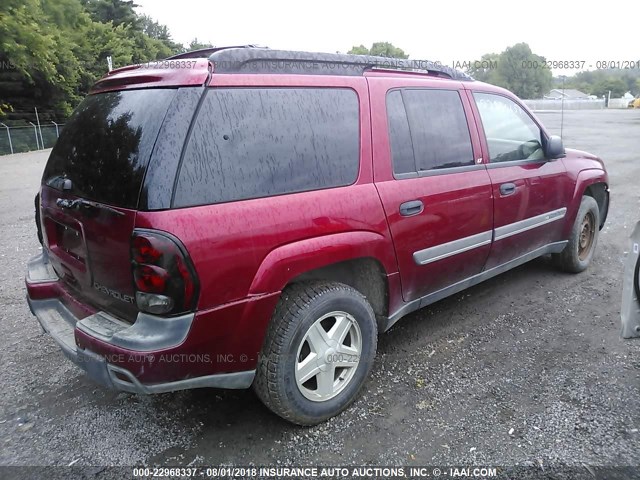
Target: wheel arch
(599, 191)
(356, 259)
(365, 274)
(593, 183)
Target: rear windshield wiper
(80, 202)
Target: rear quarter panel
(229, 242)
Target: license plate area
(66, 241)
(70, 240)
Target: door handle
(507, 189)
(414, 207)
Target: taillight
(164, 278)
(150, 279)
(145, 251)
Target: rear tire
(318, 352)
(577, 255)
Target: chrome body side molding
(433, 254)
(529, 223)
(444, 250)
(418, 303)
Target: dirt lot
(533, 352)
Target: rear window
(257, 142)
(105, 146)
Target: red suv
(256, 217)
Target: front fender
(288, 261)
(585, 178)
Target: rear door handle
(414, 207)
(507, 189)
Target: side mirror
(554, 148)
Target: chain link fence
(17, 139)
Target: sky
(444, 31)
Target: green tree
(359, 50)
(4, 108)
(616, 86)
(485, 69)
(629, 80)
(599, 82)
(53, 51)
(118, 12)
(38, 64)
(102, 40)
(523, 73)
(150, 27)
(517, 69)
(155, 30)
(379, 49)
(147, 48)
(196, 44)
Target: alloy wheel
(328, 356)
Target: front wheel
(579, 251)
(318, 352)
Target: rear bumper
(118, 344)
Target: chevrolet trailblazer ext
(256, 217)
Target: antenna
(564, 77)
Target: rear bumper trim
(56, 320)
(123, 380)
(39, 270)
(147, 334)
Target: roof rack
(206, 52)
(250, 59)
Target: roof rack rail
(206, 52)
(249, 59)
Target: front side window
(511, 133)
(257, 142)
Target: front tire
(318, 352)
(577, 255)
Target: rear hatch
(90, 191)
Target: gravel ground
(525, 369)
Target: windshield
(105, 146)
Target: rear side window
(428, 130)
(257, 142)
(439, 129)
(399, 135)
(105, 146)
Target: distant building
(567, 94)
